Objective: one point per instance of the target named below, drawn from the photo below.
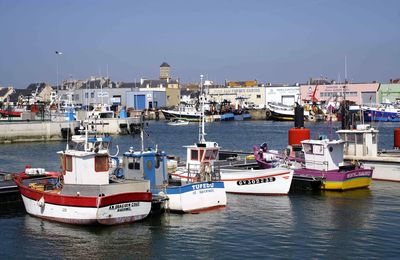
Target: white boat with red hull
(82, 192)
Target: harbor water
(319, 225)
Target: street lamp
(58, 53)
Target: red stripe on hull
(83, 201)
(125, 197)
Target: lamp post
(58, 53)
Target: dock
(8, 189)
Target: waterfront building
(102, 89)
(256, 96)
(389, 93)
(284, 94)
(359, 93)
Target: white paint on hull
(120, 213)
(196, 200)
(263, 181)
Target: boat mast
(201, 123)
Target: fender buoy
(41, 202)
(268, 114)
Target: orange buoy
(296, 135)
(397, 138)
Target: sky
(275, 41)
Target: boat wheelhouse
(324, 159)
(362, 146)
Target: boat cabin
(362, 141)
(147, 165)
(86, 162)
(201, 153)
(101, 111)
(323, 154)
(84, 167)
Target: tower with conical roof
(165, 71)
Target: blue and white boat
(384, 112)
(200, 187)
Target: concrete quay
(29, 131)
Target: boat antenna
(86, 136)
(142, 138)
(201, 123)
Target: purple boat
(324, 161)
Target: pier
(28, 131)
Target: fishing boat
(185, 111)
(324, 159)
(198, 186)
(281, 112)
(383, 112)
(362, 146)
(103, 119)
(9, 113)
(251, 179)
(82, 193)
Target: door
(140, 102)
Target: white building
(286, 95)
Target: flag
(59, 52)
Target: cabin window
(68, 163)
(359, 138)
(158, 161)
(194, 155)
(101, 163)
(318, 149)
(307, 148)
(374, 139)
(211, 154)
(351, 138)
(137, 166)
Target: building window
(258, 96)
(76, 97)
(92, 95)
(86, 95)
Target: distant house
(5, 93)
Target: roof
(3, 91)
(157, 82)
(129, 85)
(19, 92)
(164, 64)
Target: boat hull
(171, 114)
(385, 169)
(107, 210)
(261, 182)
(381, 116)
(337, 180)
(196, 197)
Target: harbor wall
(35, 131)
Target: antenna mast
(201, 123)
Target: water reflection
(54, 240)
